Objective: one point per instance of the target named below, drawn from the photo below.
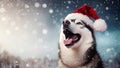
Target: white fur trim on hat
(100, 25)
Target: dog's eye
(79, 23)
(72, 20)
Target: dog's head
(76, 29)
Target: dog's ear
(99, 25)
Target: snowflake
(107, 33)
(8, 32)
(107, 8)
(110, 60)
(16, 28)
(44, 5)
(44, 31)
(35, 60)
(35, 19)
(27, 65)
(3, 19)
(107, 17)
(40, 40)
(28, 10)
(12, 23)
(95, 9)
(33, 57)
(48, 56)
(60, 14)
(45, 47)
(116, 18)
(23, 14)
(53, 16)
(67, 7)
(57, 10)
(61, 20)
(25, 26)
(37, 4)
(64, 2)
(37, 13)
(112, 53)
(54, 22)
(69, 2)
(34, 32)
(27, 6)
(97, 5)
(51, 11)
(101, 12)
(108, 50)
(2, 10)
(16, 61)
(112, 2)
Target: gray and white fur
(83, 53)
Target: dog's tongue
(67, 41)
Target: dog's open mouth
(71, 38)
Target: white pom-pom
(100, 25)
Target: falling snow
(40, 40)
(34, 32)
(110, 60)
(27, 6)
(107, 8)
(67, 7)
(12, 23)
(25, 26)
(108, 50)
(51, 11)
(37, 4)
(116, 18)
(44, 31)
(2, 10)
(107, 17)
(69, 2)
(107, 33)
(26, 30)
(16, 28)
(44, 5)
(3, 19)
(8, 32)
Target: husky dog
(77, 44)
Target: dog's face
(74, 31)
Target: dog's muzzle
(70, 37)
(66, 24)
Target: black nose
(66, 23)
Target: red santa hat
(99, 24)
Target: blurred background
(29, 31)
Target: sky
(30, 28)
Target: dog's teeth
(75, 37)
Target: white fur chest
(72, 57)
